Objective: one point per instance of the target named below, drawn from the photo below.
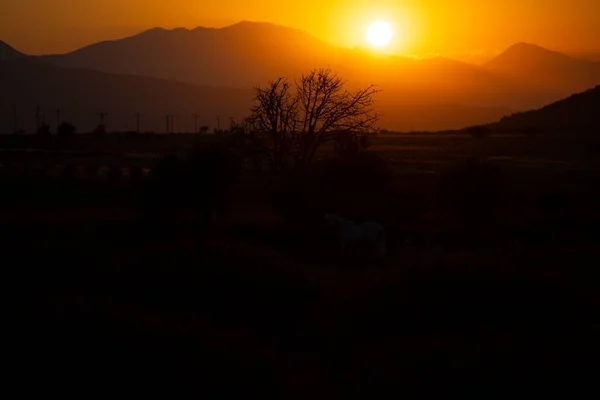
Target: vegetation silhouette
(198, 182)
(44, 130)
(66, 129)
(478, 132)
(296, 125)
(100, 131)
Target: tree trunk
(317, 141)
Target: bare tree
(297, 124)
(327, 109)
(276, 113)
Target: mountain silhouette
(534, 64)
(241, 55)
(82, 94)
(248, 54)
(8, 53)
(429, 94)
(577, 113)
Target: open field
(491, 268)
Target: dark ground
(493, 284)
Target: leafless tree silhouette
(319, 110)
(276, 112)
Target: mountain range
(428, 94)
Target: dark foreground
(232, 319)
(107, 295)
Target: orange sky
(448, 27)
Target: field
(492, 266)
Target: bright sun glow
(379, 33)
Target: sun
(379, 33)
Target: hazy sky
(422, 26)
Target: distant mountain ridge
(241, 55)
(535, 64)
(247, 54)
(9, 53)
(429, 94)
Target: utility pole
(172, 123)
(38, 117)
(15, 118)
(218, 123)
(137, 120)
(102, 115)
(195, 123)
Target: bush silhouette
(199, 182)
(66, 129)
(479, 131)
(348, 145)
(100, 131)
(351, 186)
(43, 130)
(212, 170)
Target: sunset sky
(422, 27)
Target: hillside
(578, 112)
(438, 117)
(8, 53)
(534, 64)
(82, 94)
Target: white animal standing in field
(349, 233)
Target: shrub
(348, 145)
(349, 186)
(43, 130)
(66, 129)
(100, 131)
(479, 131)
(200, 181)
